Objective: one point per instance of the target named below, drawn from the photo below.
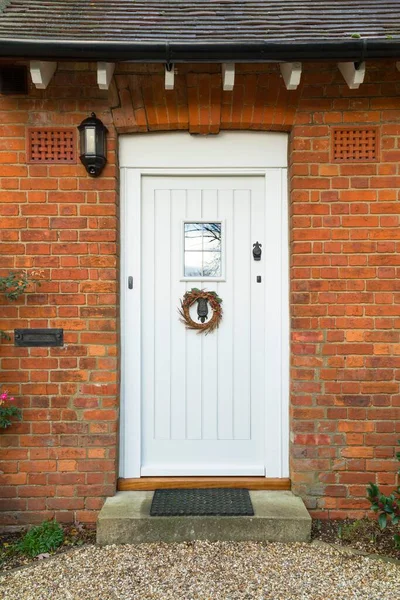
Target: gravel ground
(205, 571)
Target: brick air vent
(51, 145)
(355, 144)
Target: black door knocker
(202, 309)
(257, 251)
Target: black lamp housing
(93, 145)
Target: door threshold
(250, 483)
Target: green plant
(387, 507)
(349, 532)
(41, 539)
(14, 285)
(7, 410)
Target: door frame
(230, 153)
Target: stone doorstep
(280, 516)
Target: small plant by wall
(8, 410)
(387, 507)
(14, 285)
(42, 539)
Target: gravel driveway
(205, 571)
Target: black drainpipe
(355, 50)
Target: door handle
(257, 251)
(130, 282)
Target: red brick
(345, 239)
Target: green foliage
(7, 410)
(15, 283)
(41, 539)
(387, 507)
(350, 532)
(356, 36)
(6, 413)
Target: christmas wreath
(203, 298)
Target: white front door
(196, 404)
(203, 395)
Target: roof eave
(179, 52)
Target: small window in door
(203, 249)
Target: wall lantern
(93, 145)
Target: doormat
(224, 502)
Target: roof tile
(199, 21)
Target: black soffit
(200, 31)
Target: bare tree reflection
(207, 250)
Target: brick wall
(345, 298)
(61, 458)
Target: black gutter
(180, 52)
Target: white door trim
(134, 151)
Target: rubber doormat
(201, 502)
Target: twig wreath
(196, 295)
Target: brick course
(345, 296)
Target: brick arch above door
(198, 104)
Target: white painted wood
(277, 325)
(147, 311)
(225, 334)
(198, 367)
(161, 325)
(243, 201)
(42, 72)
(131, 346)
(284, 376)
(209, 350)
(193, 359)
(291, 73)
(169, 77)
(353, 73)
(276, 433)
(225, 150)
(178, 333)
(228, 76)
(105, 72)
(210, 469)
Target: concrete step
(279, 517)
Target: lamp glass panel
(90, 139)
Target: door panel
(203, 396)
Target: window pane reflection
(212, 264)
(193, 264)
(203, 250)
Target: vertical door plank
(225, 331)
(209, 342)
(194, 390)
(162, 312)
(241, 315)
(178, 334)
